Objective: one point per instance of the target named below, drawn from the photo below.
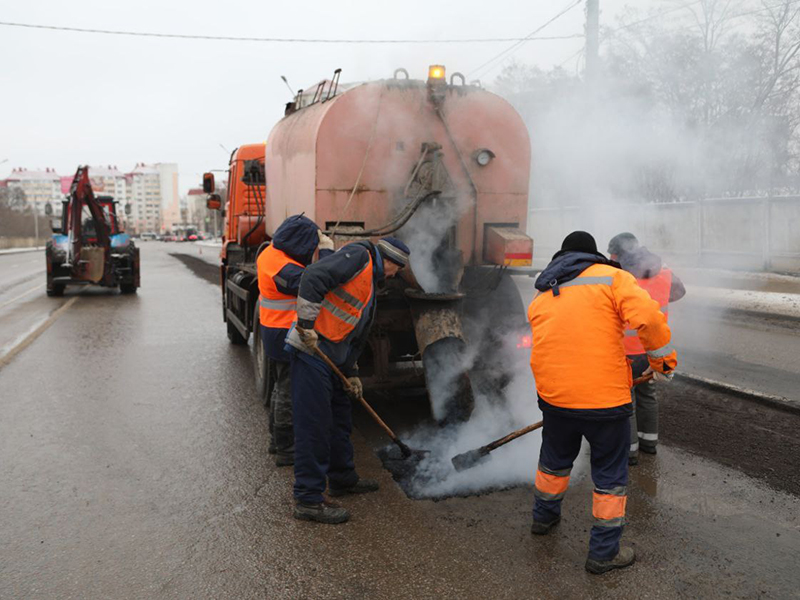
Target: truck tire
(234, 336)
(127, 288)
(262, 365)
(495, 316)
(56, 291)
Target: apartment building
(41, 187)
(152, 191)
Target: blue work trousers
(323, 421)
(561, 443)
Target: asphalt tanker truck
(443, 165)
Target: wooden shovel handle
(364, 403)
(520, 432)
(512, 436)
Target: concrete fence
(734, 233)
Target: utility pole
(592, 40)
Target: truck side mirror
(55, 225)
(128, 209)
(48, 209)
(214, 202)
(208, 183)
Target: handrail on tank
(476, 83)
(460, 76)
(401, 70)
(318, 92)
(334, 82)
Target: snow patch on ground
(774, 303)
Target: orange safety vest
(276, 309)
(658, 287)
(343, 306)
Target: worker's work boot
(272, 448)
(539, 528)
(633, 459)
(624, 558)
(324, 512)
(648, 449)
(362, 486)
(284, 460)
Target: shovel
(404, 449)
(467, 460)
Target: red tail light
(524, 341)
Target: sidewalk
(754, 292)
(19, 250)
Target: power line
(224, 38)
(513, 48)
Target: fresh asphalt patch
(751, 437)
(199, 267)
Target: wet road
(133, 461)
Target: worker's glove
(309, 337)
(356, 389)
(659, 376)
(325, 243)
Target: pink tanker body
(444, 166)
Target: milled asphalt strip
(777, 402)
(38, 287)
(9, 356)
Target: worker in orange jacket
(664, 287)
(583, 382)
(280, 267)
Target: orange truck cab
(244, 235)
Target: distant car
(193, 238)
(148, 236)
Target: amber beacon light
(436, 73)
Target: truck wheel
(234, 336)
(56, 291)
(127, 288)
(495, 316)
(262, 365)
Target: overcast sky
(69, 98)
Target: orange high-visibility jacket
(578, 358)
(659, 288)
(276, 309)
(343, 306)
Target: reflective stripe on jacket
(578, 359)
(276, 309)
(659, 289)
(343, 306)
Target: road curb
(21, 250)
(776, 402)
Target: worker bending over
(335, 310)
(664, 287)
(583, 383)
(280, 267)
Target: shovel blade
(467, 460)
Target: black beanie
(579, 241)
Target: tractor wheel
(262, 365)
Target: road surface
(133, 456)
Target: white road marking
(28, 340)
(38, 287)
